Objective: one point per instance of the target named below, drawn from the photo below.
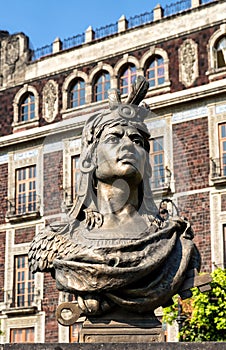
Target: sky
(45, 20)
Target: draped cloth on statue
(139, 274)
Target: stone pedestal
(122, 328)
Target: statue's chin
(127, 171)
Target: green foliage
(205, 312)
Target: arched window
(127, 78)
(155, 72)
(27, 107)
(76, 96)
(101, 87)
(220, 52)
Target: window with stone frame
(222, 149)
(101, 86)
(25, 198)
(27, 107)
(75, 176)
(22, 335)
(24, 282)
(155, 71)
(76, 95)
(220, 52)
(157, 162)
(127, 78)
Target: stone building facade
(45, 98)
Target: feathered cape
(139, 274)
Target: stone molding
(97, 69)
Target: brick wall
(196, 208)
(172, 47)
(6, 111)
(191, 171)
(191, 155)
(24, 235)
(49, 305)
(3, 191)
(53, 182)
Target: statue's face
(120, 154)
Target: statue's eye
(138, 141)
(112, 138)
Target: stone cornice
(195, 93)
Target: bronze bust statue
(114, 250)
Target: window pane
(75, 176)
(127, 78)
(22, 335)
(161, 80)
(25, 189)
(27, 108)
(160, 61)
(223, 131)
(222, 150)
(101, 87)
(160, 71)
(157, 162)
(220, 52)
(24, 282)
(155, 71)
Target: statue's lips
(127, 158)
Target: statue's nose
(126, 142)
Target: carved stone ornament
(115, 251)
(12, 51)
(50, 101)
(188, 62)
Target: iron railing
(23, 204)
(106, 30)
(111, 29)
(73, 41)
(161, 178)
(26, 298)
(138, 20)
(42, 51)
(23, 300)
(176, 7)
(218, 167)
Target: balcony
(218, 170)
(23, 304)
(23, 208)
(161, 181)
